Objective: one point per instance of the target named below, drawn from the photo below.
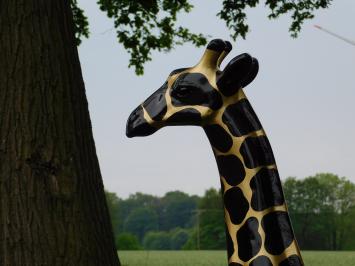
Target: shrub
(157, 241)
(127, 241)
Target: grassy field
(218, 258)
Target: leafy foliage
(322, 210)
(146, 25)
(233, 12)
(127, 241)
(157, 241)
(178, 238)
(177, 209)
(81, 23)
(140, 221)
(211, 221)
(141, 213)
(166, 240)
(301, 10)
(113, 203)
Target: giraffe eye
(183, 92)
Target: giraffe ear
(219, 49)
(227, 48)
(239, 72)
(219, 45)
(252, 73)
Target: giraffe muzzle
(137, 126)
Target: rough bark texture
(52, 203)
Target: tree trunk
(52, 203)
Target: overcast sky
(304, 96)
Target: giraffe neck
(259, 230)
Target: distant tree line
(322, 209)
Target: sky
(303, 95)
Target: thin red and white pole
(335, 35)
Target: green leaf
(143, 26)
(81, 23)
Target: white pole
(335, 35)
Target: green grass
(218, 258)
(329, 258)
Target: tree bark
(52, 204)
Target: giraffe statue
(258, 227)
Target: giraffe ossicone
(259, 230)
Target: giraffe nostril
(160, 97)
(134, 116)
(137, 125)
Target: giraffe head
(193, 96)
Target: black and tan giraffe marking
(258, 228)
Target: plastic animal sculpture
(259, 231)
